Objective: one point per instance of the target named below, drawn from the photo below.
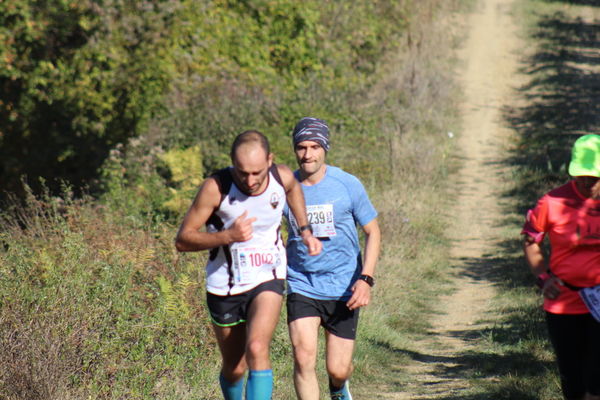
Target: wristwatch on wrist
(367, 278)
(305, 228)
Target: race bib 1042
(320, 217)
(249, 261)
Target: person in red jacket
(570, 216)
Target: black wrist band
(367, 278)
(305, 228)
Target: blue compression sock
(260, 385)
(232, 391)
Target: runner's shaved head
(251, 138)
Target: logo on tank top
(274, 200)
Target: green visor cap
(585, 157)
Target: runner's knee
(339, 372)
(233, 372)
(257, 349)
(304, 358)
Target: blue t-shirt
(334, 205)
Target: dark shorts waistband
(233, 310)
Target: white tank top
(239, 267)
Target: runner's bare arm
(534, 255)
(190, 238)
(295, 200)
(372, 246)
(361, 291)
(294, 195)
(535, 258)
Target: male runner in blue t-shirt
(327, 290)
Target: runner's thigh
(567, 334)
(339, 354)
(593, 357)
(263, 315)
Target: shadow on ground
(563, 102)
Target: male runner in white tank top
(242, 207)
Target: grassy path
(439, 367)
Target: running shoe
(342, 394)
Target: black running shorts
(335, 316)
(233, 310)
(576, 342)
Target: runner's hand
(551, 289)
(361, 295)
(313, 244)
(241, 230)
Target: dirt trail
(490, 56)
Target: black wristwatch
(367, 278)
(305, 228)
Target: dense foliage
(78, 78)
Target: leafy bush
(76, 78)
(92, 307)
